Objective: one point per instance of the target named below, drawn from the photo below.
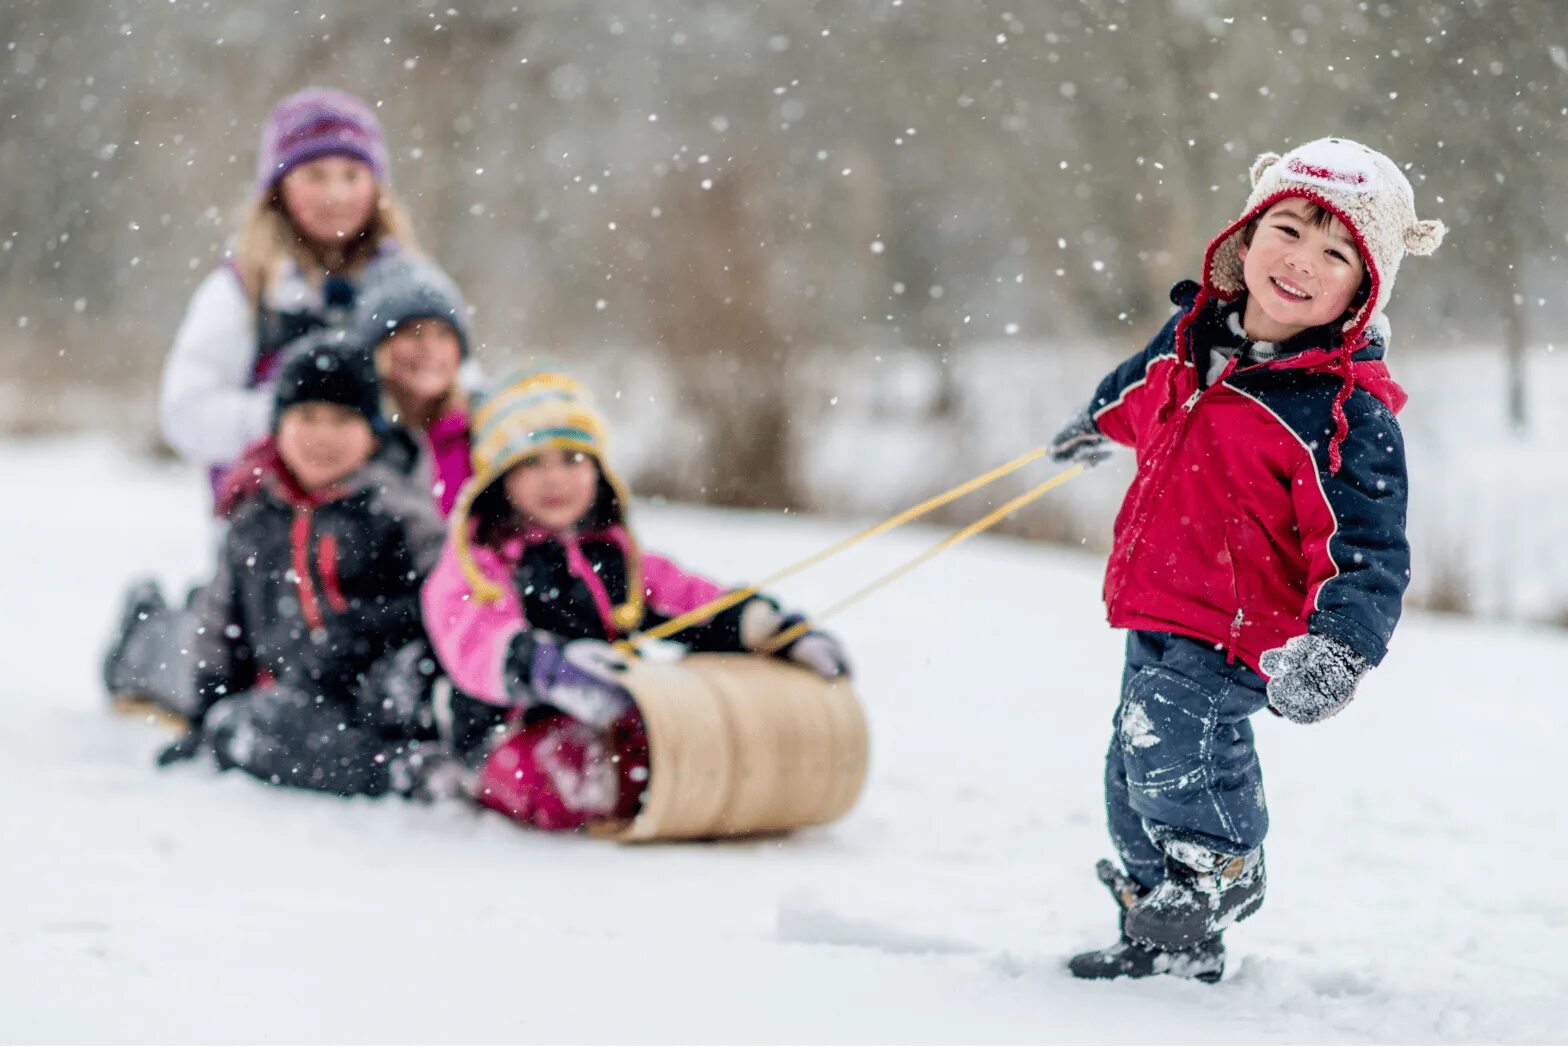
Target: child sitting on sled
(413, 320)
(314, 608)
(540, 574)
(1260, 555)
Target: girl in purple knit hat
(320, 220)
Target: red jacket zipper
(299, 542)
(327, 562)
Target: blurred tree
(726, 183)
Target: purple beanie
(318, 121)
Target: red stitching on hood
(1328, 174)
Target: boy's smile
(321, 443)
(1300, 271)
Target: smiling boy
(1260, 556)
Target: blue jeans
(1181, 763)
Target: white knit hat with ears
(1362, 187)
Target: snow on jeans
(1181, 764)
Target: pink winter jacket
(472, 639)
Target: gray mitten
(1312, 677)
(1080, 442)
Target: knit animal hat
(525, 412)
(1362, 188)
(324, 366)
(318, 121)
(409, 288)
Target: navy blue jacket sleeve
(1361, 572)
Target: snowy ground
(1412, 868)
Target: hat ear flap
(1425, 236)
(1261, 164)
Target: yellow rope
(799, 629)
(730, 599)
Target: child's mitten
(186, 747)
(1312, 677)
(1080, 442)
(580, 678)
(820, 652)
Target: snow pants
(1181, 764)
(556, 773)
(347, 747)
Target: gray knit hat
(404, 289)
(1360, 186)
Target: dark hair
(495, 520)
(1319, 217)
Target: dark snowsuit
(311, 625)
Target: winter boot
(1204, 961)
(1204, 892)
(429, 774)
(143, 600)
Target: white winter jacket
(208, 407)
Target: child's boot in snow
(142, 600)
(429, 774)
(1203, 893)
(1131, 959)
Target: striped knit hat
(318, 121)
(525, 412)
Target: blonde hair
(268, 235)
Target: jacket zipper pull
(1235, 635)
(1192, 400)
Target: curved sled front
(739, 744)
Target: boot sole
(1207, 977)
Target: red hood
(1372, 375)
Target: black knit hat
(324, 366)
(407, 289)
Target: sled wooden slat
(740, 745)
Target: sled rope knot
(788, 636)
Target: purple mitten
(580, 679)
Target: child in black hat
(299, 674)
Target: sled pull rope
(799, 629)
(730, 599)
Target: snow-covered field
(1413, 865)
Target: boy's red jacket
(1270, 503)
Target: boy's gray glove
(1312, 677)
(1079, 442)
